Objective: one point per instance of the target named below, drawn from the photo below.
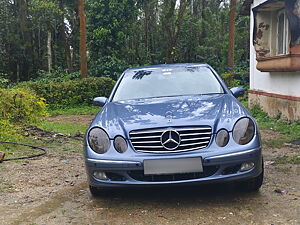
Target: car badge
(170, 139)
(169, 116)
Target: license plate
(172, 166)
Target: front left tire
(255, 183)
(95, 192)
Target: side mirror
(237, 91)
(99, 101)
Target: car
(169, 125)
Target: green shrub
(20, 106)
(58, 75)
(109, 66)
(7, 131)
(71, 92)
(230, 83)
(4, 82)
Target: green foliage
(46, 11)
(241, 73)
(65, 128)
(289, 131)
(109, 26)
(108, 66)
(230, 82)
(24, 29)
(287, 159)
(7, 131)
(120, 34)
(4, 82)
(74, 110)
(58, 75)
(71, 92)
(20, 106)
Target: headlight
(120, 144)
(98, 140)
(222, 137)
(243, 131)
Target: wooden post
(83, 49)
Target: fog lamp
(246, 166)
(100, 175)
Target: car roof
(168, 66)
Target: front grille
(192, 138)
(139, 175)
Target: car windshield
(166, 82)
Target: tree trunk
(65, 40)
(173, 29)
(49, 51)
(26, 42)
(232, 13)
(146, 26)
(83, 49)
(168, 24)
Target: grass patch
(288, 131)
(65, 128)
(287, 160)
(6, 186)
(276, 143)
(14, 133)
(12, 150)
(75, 110)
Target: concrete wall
(275, 106)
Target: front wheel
(253, 184)
(95, 191)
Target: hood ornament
(169, 116)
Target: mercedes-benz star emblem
(170, 139)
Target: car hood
(217, 111)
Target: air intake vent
(168, 140)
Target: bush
(58, 75)
(20, 106)
(230, 83)
(4, 83)
(108, 66)
(7, 130)
(71, 92)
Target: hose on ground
(40, 153)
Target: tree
(83, 50)
(232, 13)
(110, 28)
(172, 22)
(120, 34)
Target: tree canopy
(43, 35)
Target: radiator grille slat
(191, 138)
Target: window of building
(283, 32)
(275, 35)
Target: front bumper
(219, 168)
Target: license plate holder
(172, 166)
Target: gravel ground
(53, 190)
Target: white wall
(285, 83)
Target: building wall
(276, 92)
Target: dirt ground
(53, 190)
